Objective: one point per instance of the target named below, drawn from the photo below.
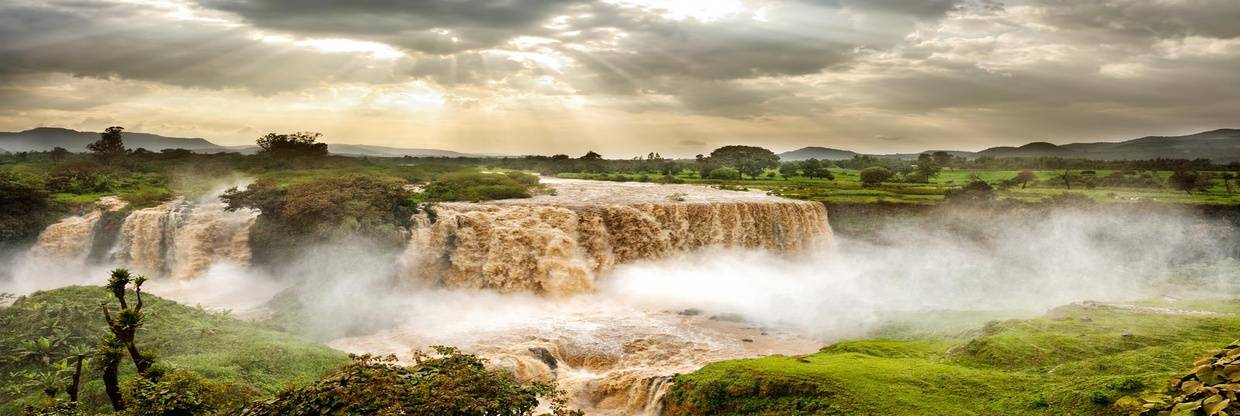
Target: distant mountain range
(1222, 145)
(46, 138)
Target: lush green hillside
(1077, 359)
(246, 358)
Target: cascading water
(70, 239)
(559, 244)
(179, 239)
(613, 356)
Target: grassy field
(1077, 359)
(221, 348)
(847, 187)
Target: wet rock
(690, 312)
(542, 354)
(728, 317)
(1209, 389)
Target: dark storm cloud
(423, 26)
(80, 39)
(1145, 18)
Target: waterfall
(70, 240)
(180, 240)
(560, 249)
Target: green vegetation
(448, 383)
(1077, 359)
(300, 188)
(45, 332)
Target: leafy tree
(941, 158)
(927, 167)
(591, 155)
(123, 327)
(449, 383)
(1227, 177)
(1024, 177)
(110, 145)
(875, 175)
(749, 160)
(704, 166)
(57, 154)
(815, 168)
(292, 145)
(1189, 180)
(789, 169)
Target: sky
(626, 77)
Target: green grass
(1074, 360)
(212, 344)
(847, 187)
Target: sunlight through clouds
(792, 73)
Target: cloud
(114, 40)
(1143, 18)
(433, 27)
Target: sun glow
(337, 45)
(702, 10)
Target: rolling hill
(820, 153)
(1220, 146)
(46, 138)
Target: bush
(975, 191)
(725, 173)
(451, 383)
(23, 206)
(476, 186)
(80, 177)
(374, 207)
(182, 392)
(875, 175)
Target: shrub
(23, 206)
(476, 186)
(975, 191)
(451, 383)
(875, 175)
(725, 173)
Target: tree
(109, 145)
(788, 169)
(1067, 177)
(1227, 177)
(79, 354)
(749, 160)
(941, 158)
(591, 155)
(815, 168)
(875, 175)
(123, 327)
(1024, 177)
(1188, 180)
(57, 154)
(300, 144)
